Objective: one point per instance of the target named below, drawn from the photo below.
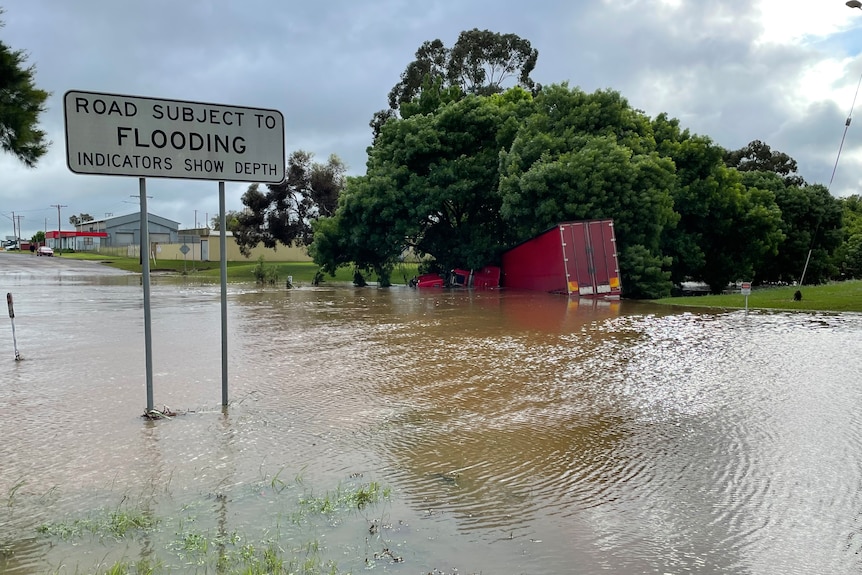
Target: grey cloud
(328, 66)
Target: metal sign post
(12, 317)
(145, 281)
(223, 267)
(122, 135)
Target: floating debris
(388, 554)
(164, 413)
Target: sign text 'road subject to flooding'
(114, 135)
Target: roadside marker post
(12, 317)
(746, 291)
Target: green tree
(284, 213)
(590, 156)
(849, 256)
(231, 219)
(80, 219)
(367, 230)
(480, 62)
(38, 238)
(811, 222)
(21, 103)
(430, 185)
(725, 231)
(757, 156)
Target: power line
(846, 128)
(834, 169)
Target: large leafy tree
(231, 219)
(811, 223)
(725, 231)
(284, 212)
(80, 219)
(587, 156)
(757, 156)
(813, 220)
(480, 62)
(849, 255)
(21, 103)
(430, 185)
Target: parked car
(44, 251)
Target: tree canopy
(590, 156)
(725, 229)
(430, 186)
(21, 104)
(462, 178)
(759, 157)
(231, 219)
(284, 213)
(462, 169)
(80, 219)
(481, 62)
(811, 225)
(848, 256)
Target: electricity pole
(18, 233)
(59, 241)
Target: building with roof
(114, 232)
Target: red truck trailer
(574, 258)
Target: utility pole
(18, 233)
(59, 241)
(14, 231)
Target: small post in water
(12, 317)
(746, 291)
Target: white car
(44, 251)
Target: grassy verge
(136, 539)
(838, 297)
(241, 271)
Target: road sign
(116, 135)
(746, 288)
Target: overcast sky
(782, 71)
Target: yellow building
(204, 245)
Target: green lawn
(242, 271)
(838, 296)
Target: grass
(116, 524)
(275, 273)
(190, 541)
(345, 498)
(843, 296)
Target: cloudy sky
(782, 71)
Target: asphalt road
(27, 263)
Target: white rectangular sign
(115, 135)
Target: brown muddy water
(512, 433)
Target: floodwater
(514, 433)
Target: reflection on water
(520, 433)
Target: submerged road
(31, 264)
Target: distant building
(117, 231)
